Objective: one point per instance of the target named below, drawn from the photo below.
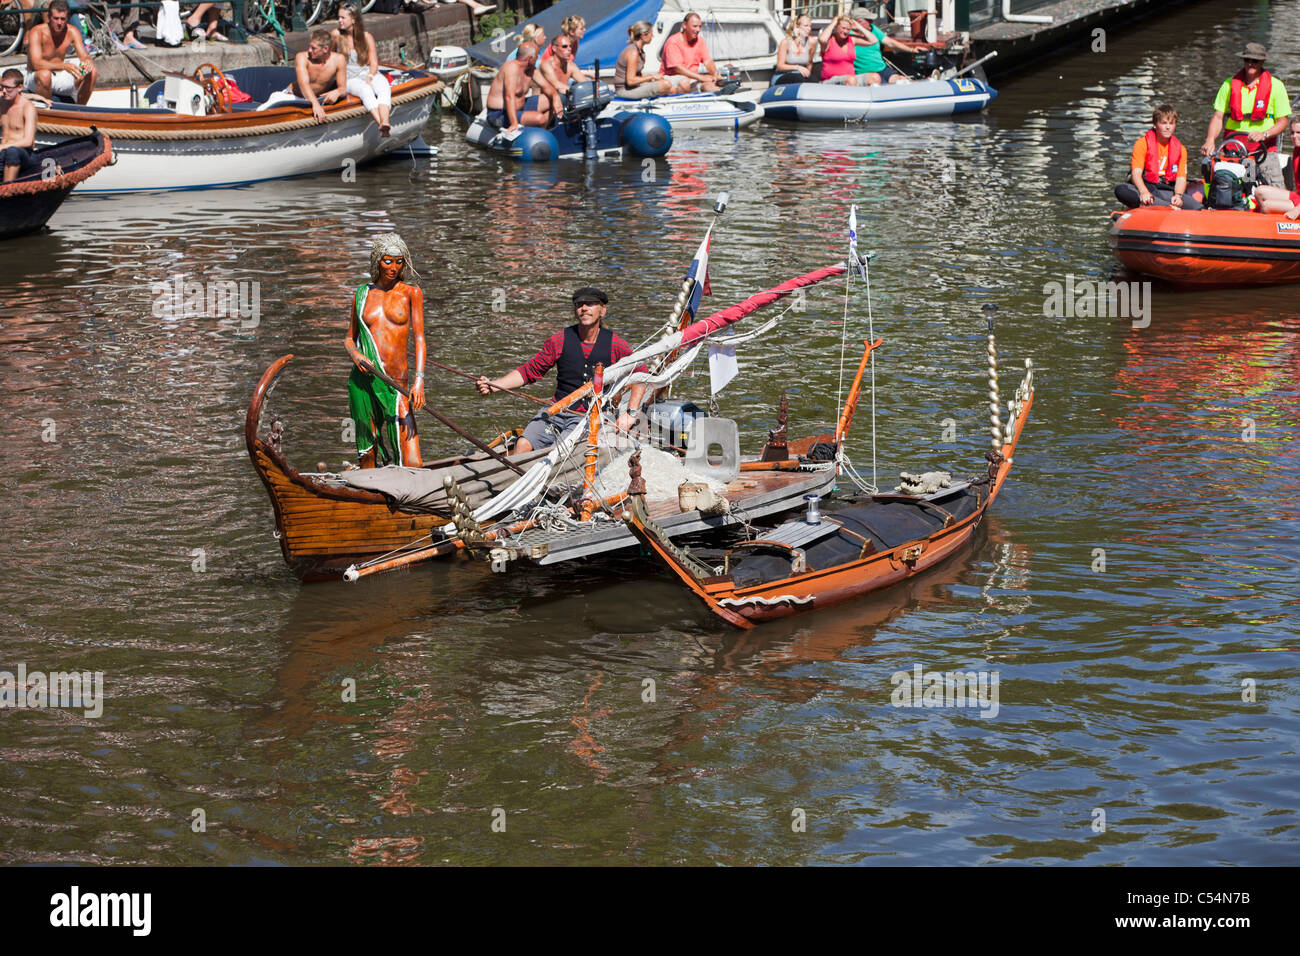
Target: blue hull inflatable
(833, 103)
(641, 134)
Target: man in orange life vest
(1256, 106)
(1159, 167)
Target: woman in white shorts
(364, 81)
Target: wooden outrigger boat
(805, 565)
(546, 505)
(331, 524)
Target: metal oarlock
(995, 403)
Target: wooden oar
(398, 386)
(495, 388)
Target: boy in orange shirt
(1159, 168)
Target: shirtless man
(49, 74)
(386, 313)
(17, 124)
(322, 77)
(685, 54)
(558, 70)
(508, 104)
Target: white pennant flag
(853, 242)
(722, 363)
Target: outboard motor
(672, 423)
(730, 77)
(583, 103)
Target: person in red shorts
(685, 54)
(1159, 167)
(574, 353)
(1274, 199)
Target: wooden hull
(324, 528)
(798, 593)
(1212, 247)
(161, 150)
(52, 173)
(820, 589)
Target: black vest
(574, 370)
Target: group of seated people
(1252, 108)
(852, 51)
(528, 90)
(337, 63)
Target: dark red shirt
(546, 357)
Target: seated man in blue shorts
(17, 125)
(574, 352)
(508, 104)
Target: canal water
(1135, 592)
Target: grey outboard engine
(730, 77)
(583, 103)
(672, 422)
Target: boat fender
(645, 134)
(534, 145)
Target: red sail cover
(706, 327)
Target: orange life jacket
(1152, 171)
(1263, 92)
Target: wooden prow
(253, 420)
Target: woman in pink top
(837, 52)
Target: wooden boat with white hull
(327, 522)
(182, 132)
(802, 566)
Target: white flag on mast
(853, 242)
(723, 366)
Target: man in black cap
(1256, 108)
(575, 352)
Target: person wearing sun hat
(574, 352)
(1252, 106)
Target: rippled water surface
(1121, 689)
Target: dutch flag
(698, 273)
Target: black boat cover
(887, 521)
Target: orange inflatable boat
(1208, 247)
